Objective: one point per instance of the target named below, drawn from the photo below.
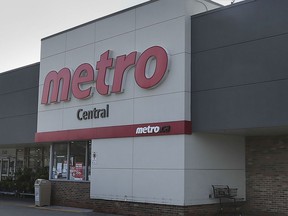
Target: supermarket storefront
(126, 127)
(115, 103)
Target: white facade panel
(53, 46)
(42, 108)
(75, 58)
(161, 108)
(188, 75)
(113, 153)
(111, 184)
(158, 186)
(78, 56)
(70, 120)
(153, 177)
(187, 109)
(175, 80)
(159, 11)
(120, 45)
(50, 121)
(169, 34)
(55, 62)
(120, 113)
(115, 25)
(81, 36)
(159, 152)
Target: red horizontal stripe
(176, 127)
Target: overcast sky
(24, 23)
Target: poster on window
(77, 171)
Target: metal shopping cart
(230, 204)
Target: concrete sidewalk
(23, 207)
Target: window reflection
(79, 161)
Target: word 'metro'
(152, 129)
(85, 74)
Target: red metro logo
(85, 74)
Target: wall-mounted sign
(152, 130)
(59, 86)
(93, 114)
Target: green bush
(25, 178)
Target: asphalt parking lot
(25, 207)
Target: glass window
(35, 158)
(46, 156)
(5, 167)
(19, 159)
(60, 167)
(79, 161)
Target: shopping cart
(230, 204)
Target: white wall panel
(121, 45)
(112, 173)
(158, 186)
(160, 108)
(55, 62)
(187, 107)
(112, 184)
(188, 72)
(117, 49)
(50, 121)
(42, 108)
(158, 11)
(53, 45)
(115, 25)
(128, 169)
(76, 57)
(70, 120)
(169, 35)
(81, 36)
(175, 80)
(159, 152)
(120, 113)
(113, 153)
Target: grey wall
(240, 67)
(18, 105)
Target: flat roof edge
(20, 68)
(222, 8)
(101, 18)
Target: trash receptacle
(42, 192)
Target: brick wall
(267, 175)
(73, 194)
(146, 209)
(77, 194)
